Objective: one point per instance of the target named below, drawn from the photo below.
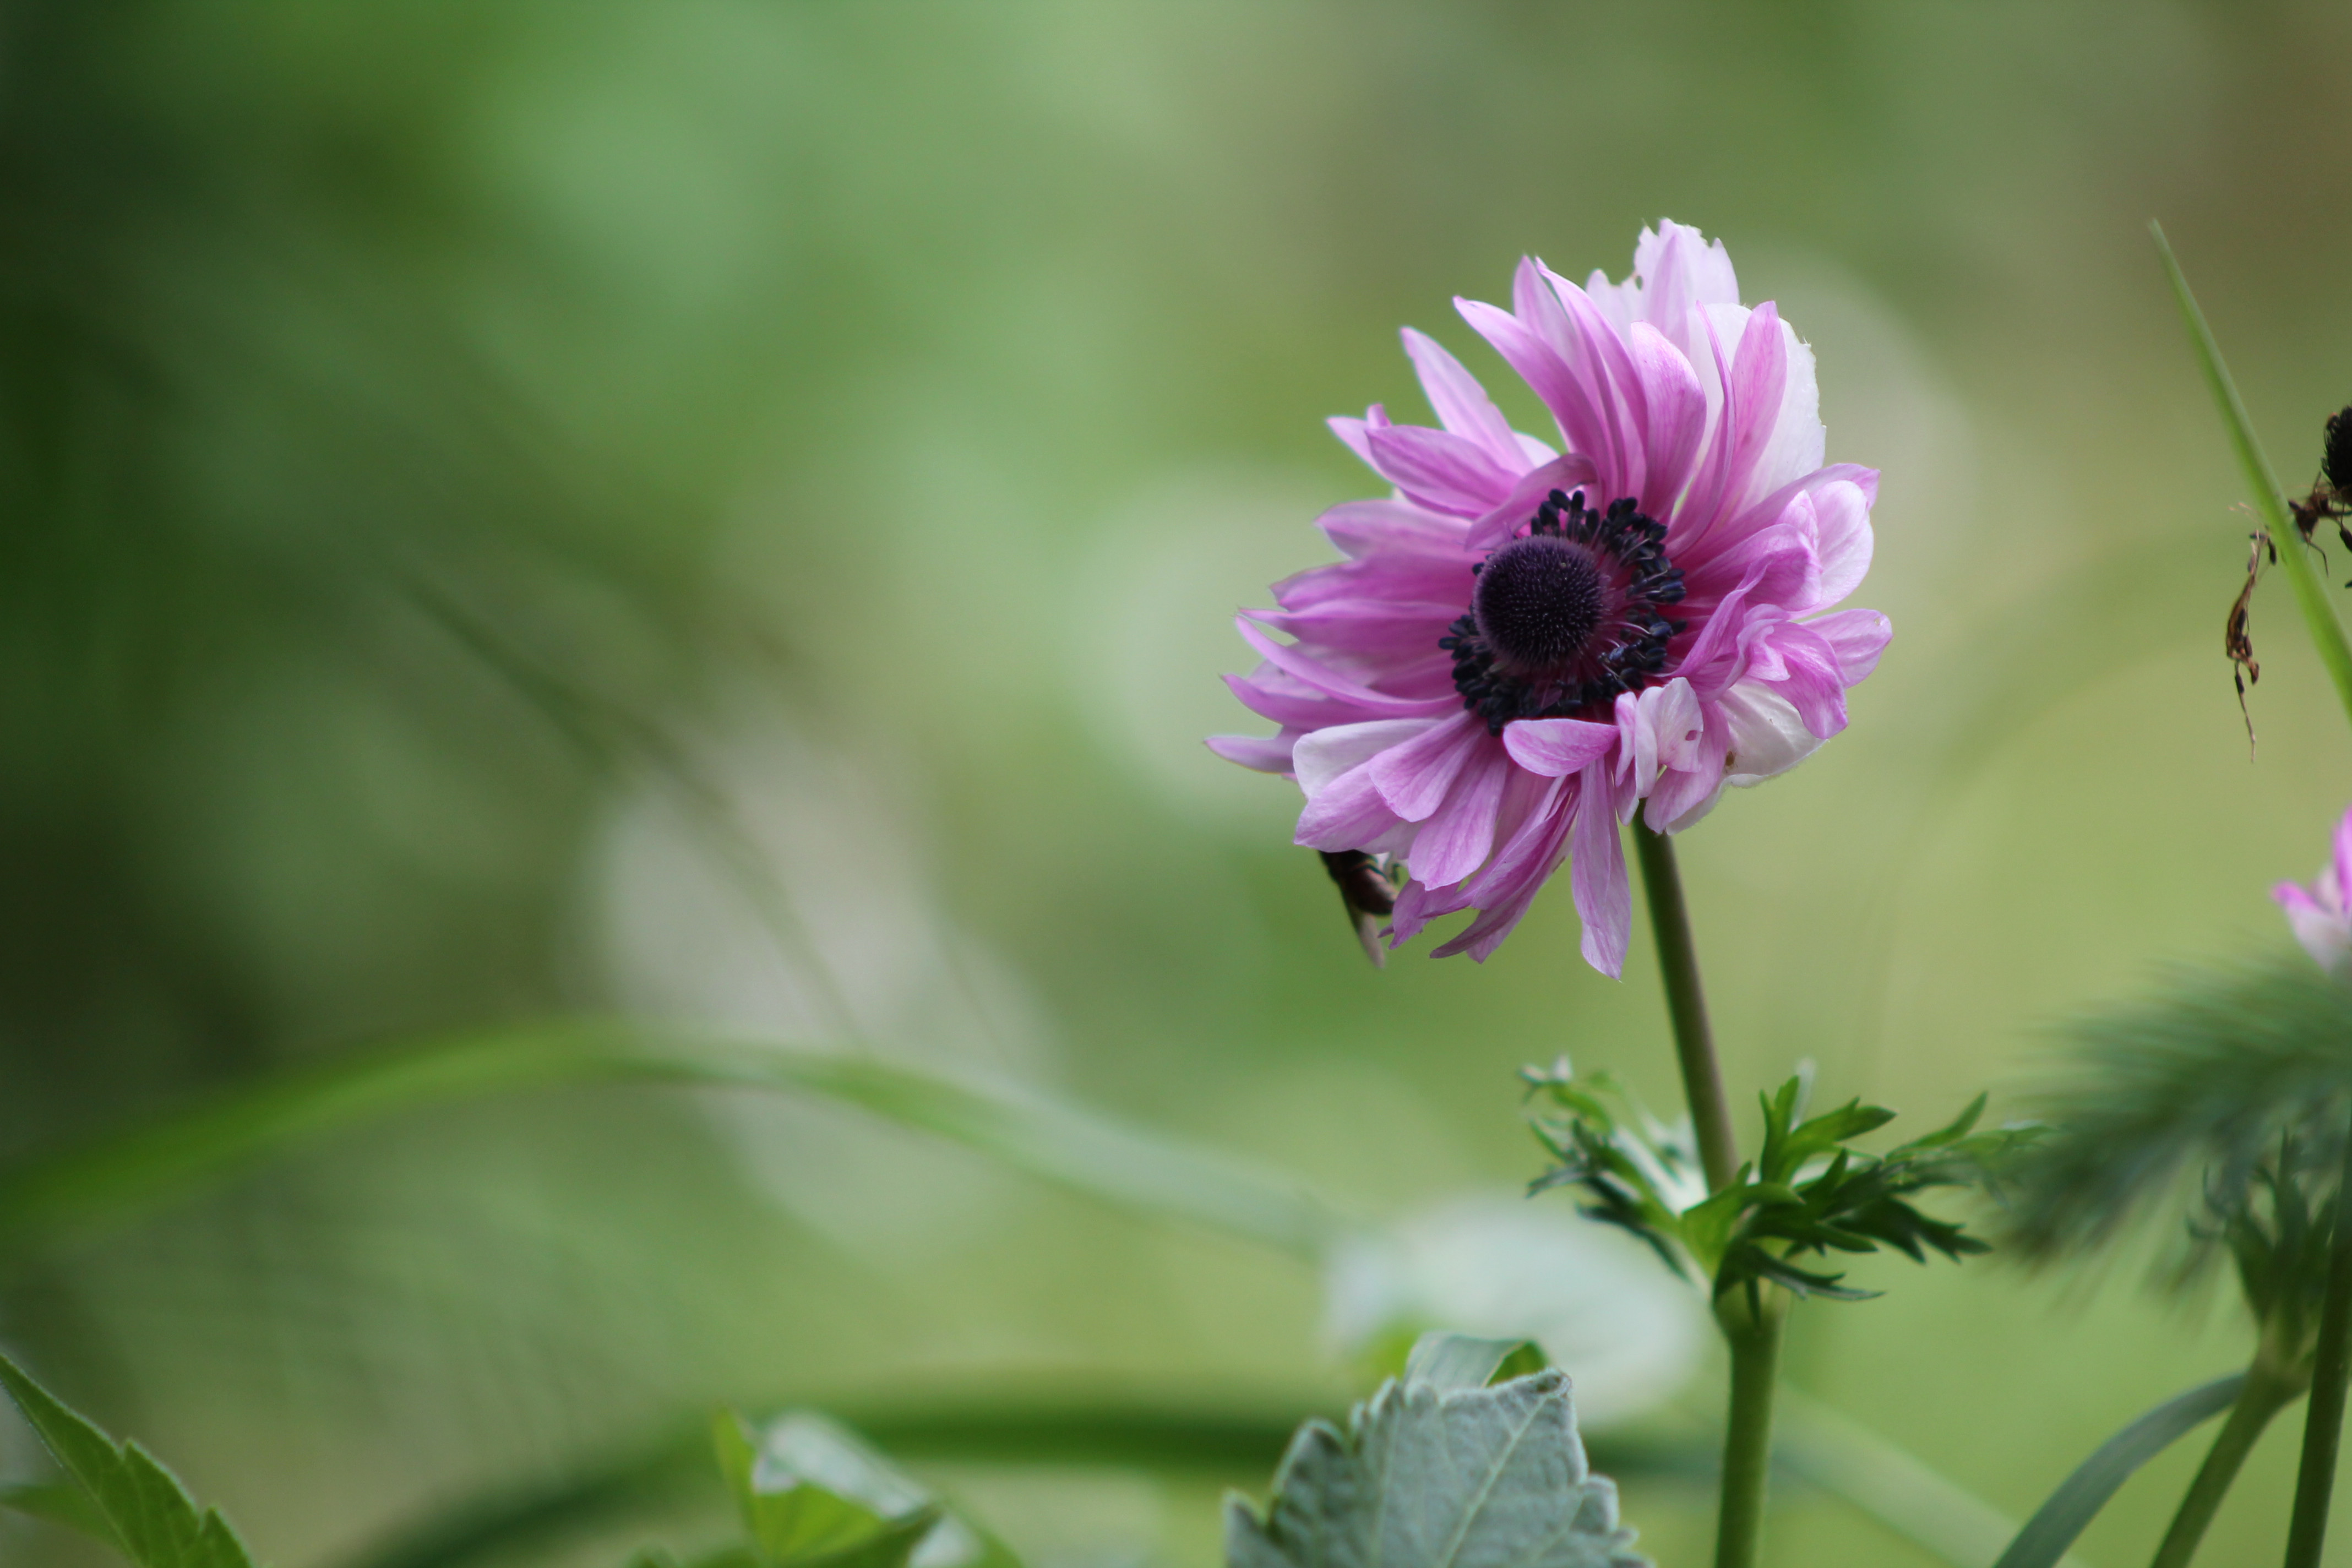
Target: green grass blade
(122, 1174)
(2310, 593)
(2054, 1526)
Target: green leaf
(2310, 593)
(126, 1173)
(1460, 1361)
(149, 1513)
(2056, 1523)
(1429, 1477)
(813, 1495)
(59, 1502)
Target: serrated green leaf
(151, 1515)
(1463, 1360)
(792, 1519)
(1438, 1477)
(59, 1502)
(813, 1495)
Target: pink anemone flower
(1523, 646)
(2317, 913)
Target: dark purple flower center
(1565, 616)
(1537, 602)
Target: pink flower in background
(1522, 646)
(2317, 913)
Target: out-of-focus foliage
(2236, 1079)
(729, 508)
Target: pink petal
(1533, 807)
(1683, 795)
(1809, 678)
(1704, 500)
(1359, 527)
(1765, 736)
(1570, 472)
(1324, 756)
(1539, 364)
(1597, 877)
(1356, 434)
(1841, 515)
(1505, 889)
(1439, 470)
(1778, 566)
(1365, 626)
(1772, 508)
(1295, 663)
(1265, 754)
(1760, 372)
(1858, 636)
(2343, 848)
(1413, 777)
(1601, 358)
(1456, 838)
(1679, 272)
(1676, 418)
(1557, 747)
(1715, 658)
(1660, 728)
(1461, 405)
(1384, 574)
(1344, 808)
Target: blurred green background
(427, 430)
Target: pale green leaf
(1461, 1361)
(1430, 1476)
(813, 1495)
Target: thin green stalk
(1754, 1339)
(2323, 1418)
(2310, 593)
(2266, 1392)
(1718, 1152)
(1753, 1332)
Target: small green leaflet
(1460, 1361)
(1440, 1475)
(1809, 1191)
(811, 1495)
(139, 1506)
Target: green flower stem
(1718, 1152)
(2310, 593)
(1754, 1336)
(1753, 1333)
(2323, 1418)
(2267, 1392)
